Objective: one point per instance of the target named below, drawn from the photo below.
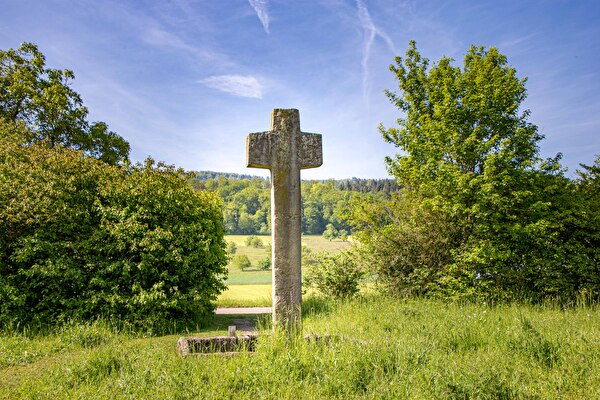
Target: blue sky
(185, 81)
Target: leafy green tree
(583, 230)
(313, 218)
(241, 262)
(460, 127)
(51, 110)
(469, 162)
(246, 223)
(231, 248)
(343, 234)
(266, 263)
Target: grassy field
(246, 296)
(380, 348)
(260, 295)
(314, 242)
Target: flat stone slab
(243, 310)
(229, 346)
(226, 345)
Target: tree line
(325, 204)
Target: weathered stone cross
(285, 150)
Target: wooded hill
(247, 202)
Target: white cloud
(238, 85)
(260, 7)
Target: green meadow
(379, 347)
(252, 287)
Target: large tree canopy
(51, 110)
(481, 212)
(459, 125)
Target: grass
(314, 242)
(246, 295)
(260, 295)
(380, 348)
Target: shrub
(265, 263)
(330, 232)
(82, 239)
(408, 248)
(335, 275)
(231, 248)
(254, 241)
(343, 235)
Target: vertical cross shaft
(285, 150)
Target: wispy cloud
(159, 37)
(238, 85)
(260, 7)
(519, 41)
(370, 32)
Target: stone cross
(285, 150)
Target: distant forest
(247, 204)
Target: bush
(231, 248)
(409, 248)
(335, 275)
(82, 239)
(254, 241)
(265, 263)
(241, 262)
(330, 232)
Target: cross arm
(311, 150)
(258, 150)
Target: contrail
(260, 7)
(370, 33)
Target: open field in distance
(253, 287)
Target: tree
(470, 160)
(50, 109)
(313, 218)
(241, 262)
(459, 126)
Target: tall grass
(378, 348)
